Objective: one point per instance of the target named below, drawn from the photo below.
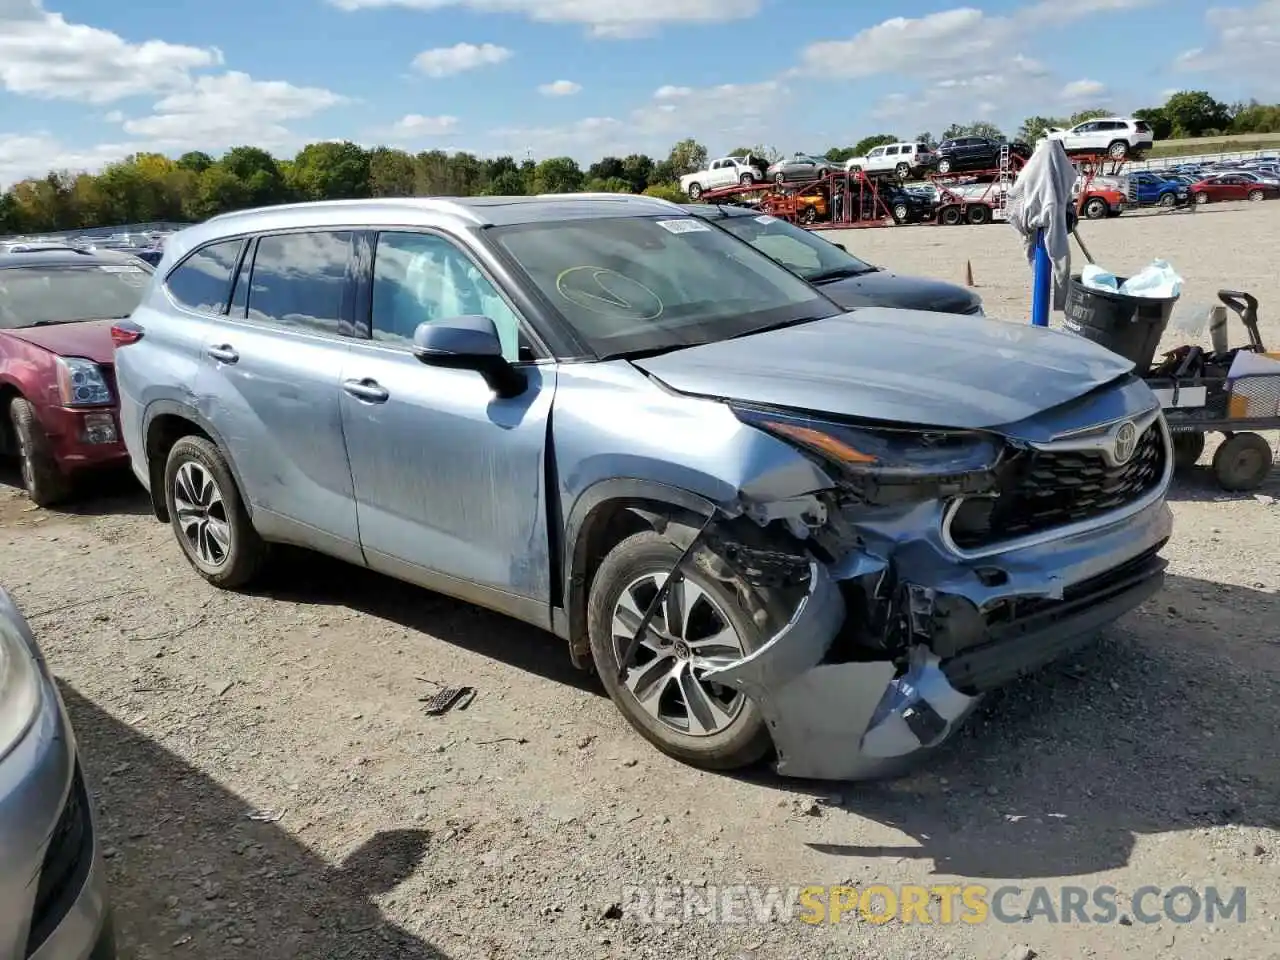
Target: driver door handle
(224, 353)
(370, 391)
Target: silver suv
(768, 523)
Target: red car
(58, 405)
(1234, 186)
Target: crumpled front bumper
(858, 720)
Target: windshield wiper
(781, 325)
(840, 273)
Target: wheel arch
(164, 424)
(9, 391)
(604, 514)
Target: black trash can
(1129, 326)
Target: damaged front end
(939, 565)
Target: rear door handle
(370, 391)
(224, 353)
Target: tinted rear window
(922, 148)
(31, 296)
(203, 281)
(1142, 127)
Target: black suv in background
(962, 154)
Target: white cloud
(216, 112)
(617, 19)
(414, 126)
(734, 113)
(34, 155)
(560, 88)
(1241, 41)
(1080, 90)
(461, 57)
(42, 55)
(113, 116)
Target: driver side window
(423, 278)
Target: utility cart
(1219, 391)
(1231, 391)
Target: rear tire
(1202, 198)
(1256, 196)
(741, 740)
(43, 480)
(1243, 462)
(902, 171)
(950, 217)
(1096, 209)
(208, 516)
(1118, 150)
(901, 213)
(979, 214)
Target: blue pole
(1043, 284)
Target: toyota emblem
(1125, 442)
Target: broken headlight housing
(946, 462)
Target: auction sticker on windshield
(766, 219)
(684, 226)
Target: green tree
(1033, 128)
(195, 161)
(1080, 116)
(867, 144)
(259, 172)
(331, 171)
(557, 175)
(1193, 113)
(218, 191)
(687, 156)
(666, 191)
(607, 185)
(1158, 120)
(927, 139)
(840, 154)
(605, 168)
(509, 183)
(637, 169)
(391, 173)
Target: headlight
(884, 454)
(81, 383)
(19, 687)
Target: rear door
(270, 385)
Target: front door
(268, 382)
(449, 479)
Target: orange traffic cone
(968, 274)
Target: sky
(86, 82)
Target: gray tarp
(1041, 200)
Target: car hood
(90, 339)
(898, 366)
(885, 289)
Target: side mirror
(469, 343)
(840, 245)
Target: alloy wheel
(202, 514)
(689, 635)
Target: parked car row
(718, 501)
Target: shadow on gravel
(1199, 485)
(1167, 725)
(300, 576)
(192, 875)
(95, 495)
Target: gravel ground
(270, 787)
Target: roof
(63, 257)
(445, 212)
(709, 211)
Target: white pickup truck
(725, 172)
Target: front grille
(65, 867)
(1042, 490)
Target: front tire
(903, 172)
(695, 191)
(1202, 198)
(1256, 196)
(208, 517)
(43, 480)
(702, 623)
(1243, 462)
(1168, 200)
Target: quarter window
(203, 281)
(421, 278)
(298, 281)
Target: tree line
(151, 187)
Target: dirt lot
(270, 788)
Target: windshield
(642, 284)
(796, 249)
(33, 296)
